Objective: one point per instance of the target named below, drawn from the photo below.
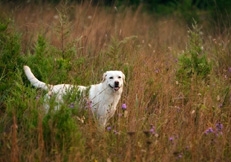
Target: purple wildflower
(220, 105)
(171, 139)
(219, 127)
(109, 128)
(229, 69)
(209, 130)
(124, 106)
(152, 130)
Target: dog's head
(114, 79)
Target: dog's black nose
(116, 84)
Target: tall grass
(164, 120)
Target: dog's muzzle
(116, 86)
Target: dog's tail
(33, 80)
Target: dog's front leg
(102, 121)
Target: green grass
(177, 93)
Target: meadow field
(177, 92)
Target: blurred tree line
(219, 11)
(151, 5)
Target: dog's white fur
(104, 96)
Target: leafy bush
(193, 63)
(61, 132)
(10, 60)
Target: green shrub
(10, 60)
(193, 63)
(61, 132)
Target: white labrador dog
(103, 97)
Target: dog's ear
(123, 77)
(104, 77)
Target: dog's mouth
(115, 88)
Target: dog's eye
(119, 77)
(111, 77)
